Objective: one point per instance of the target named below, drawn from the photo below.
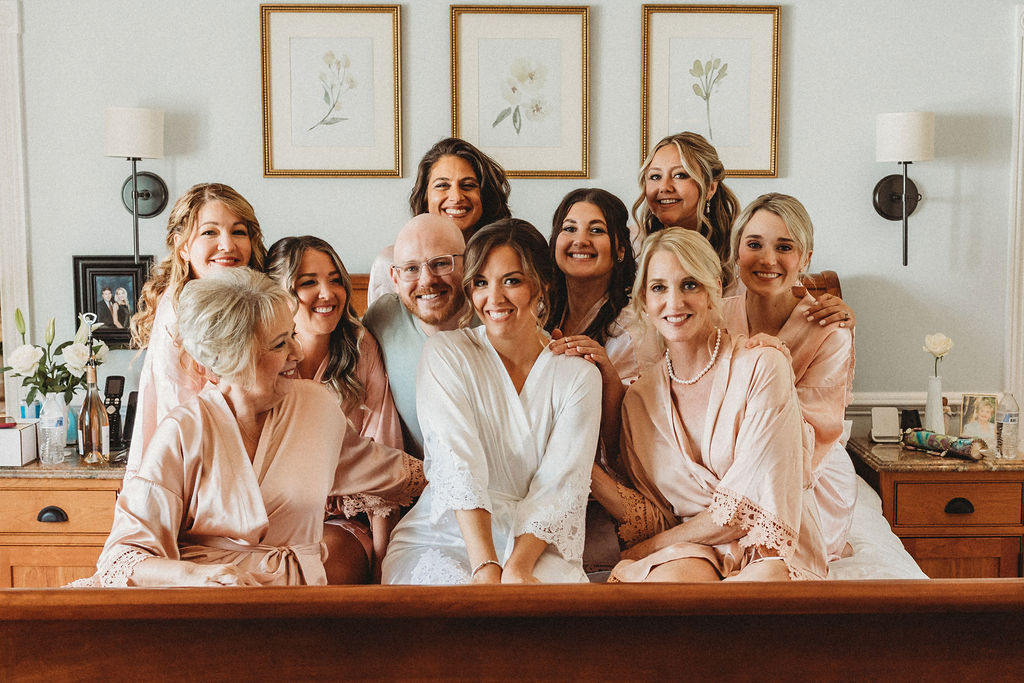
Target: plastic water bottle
(1007, 419)
(51, 432)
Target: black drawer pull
(959, 506)
(52, 513)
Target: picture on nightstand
(978, 417)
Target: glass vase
(934, 420)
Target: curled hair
(173, 271)
(494, 186)
(787, 208)
(623, 272)
(696, 257)
(283, 262)
(223, 319)
(529, 245)
(700, 159)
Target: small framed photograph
(109, 286)
(978, 417)
(714, 70)
(332, 90)
(520, 86)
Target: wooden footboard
(822, 630)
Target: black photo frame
(123, 278)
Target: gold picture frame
(521, 87)
(331, 82)
(704, 51)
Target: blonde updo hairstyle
(790, 211)
(696, 257)
(223, 319)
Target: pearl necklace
(695, 378)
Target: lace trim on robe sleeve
(641, 516)
(729, 508)
(117, 572)
(562, 522)
(352, 505)
(452, 485)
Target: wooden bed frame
(941, 629)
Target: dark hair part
(283, 262)
(623, 272)
(494, 186)
(528, 244)
(700, 159)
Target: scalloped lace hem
(562, 522)
(452, 485)
(729, 508)
(641, 516)
(436, 568)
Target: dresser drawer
(87, 511)
(958, 503)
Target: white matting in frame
(714, 70)
(331, 90)
(520, 87)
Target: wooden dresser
(959, 519)
(54, 521)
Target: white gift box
(18, 444)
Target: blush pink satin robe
(197, 496)
(750, 472)
(823, 362)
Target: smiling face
(504, 297)
(453, 192)
(677, 304)
(436, 300)
(220, 240)
(768, 257)
(321, 293)
(277, 355)
(583, 248)
(672, 195)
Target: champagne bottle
(93, 426)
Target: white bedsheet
(877, 552)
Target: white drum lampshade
(134, 133)
(906, 136)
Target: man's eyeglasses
(439, 265)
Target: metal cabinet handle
(959, 506)
(52, 513)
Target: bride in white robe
(510, 431)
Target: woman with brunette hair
(510, 430)
(211, 226)
(340, 353)
(712, 440)
(454, 180)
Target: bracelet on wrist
(484, 564)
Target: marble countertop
(890, 457)
(71, 468)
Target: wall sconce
(137, 134)
(904, 138)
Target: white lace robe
(523, 457)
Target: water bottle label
(105, 438)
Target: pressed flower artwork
(331, 90)
(519, 91)
(708, 74)
(709, 91)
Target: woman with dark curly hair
(454, 180)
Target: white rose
(25, 359)
(937, 344)
(100, 352)
(75, 357)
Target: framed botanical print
(714, 70)
(520, 86)
(332, 102)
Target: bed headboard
(817, 283)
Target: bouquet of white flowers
(39, 367)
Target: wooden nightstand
(959, 519)
(39, 550)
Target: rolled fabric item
(943, 445)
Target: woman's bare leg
(346, 559)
